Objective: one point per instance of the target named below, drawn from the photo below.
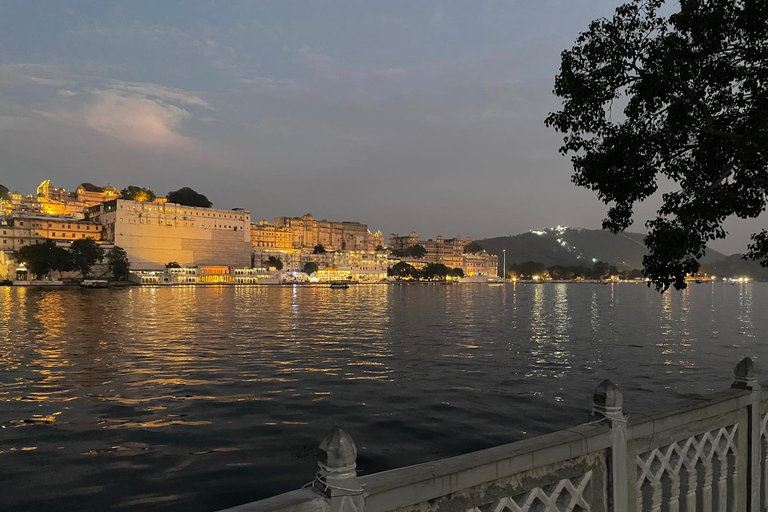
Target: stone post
(745, 377)
(336, 477)
(607, 404)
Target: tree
(695, 116)
(528, 269)
(274, 261)
(60, 259)
(403, 270)
(473, 248)
(310, 267)
(172, 264)
(188, 197)
(5, 194)
(417, 251)
(379, 248)
(457, 272)
(400, 253)
(435, 271)
(85, 253)
(600, 270)
(118, 264)
(90, 187)
(134, 193)
(319, 249)
(36, 257)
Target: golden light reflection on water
(193, 372)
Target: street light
(504, 267)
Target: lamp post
(504, 265)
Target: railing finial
(745, 375)
(607, 400)
(336, 476)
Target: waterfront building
(361, 265)
(449, 252)
(481, 264)
(24, 228)
(307, 232)
(266, 236)
(203, 275)
(155, 233)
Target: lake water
(200, 398)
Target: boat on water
(339, 284)
(94, 283)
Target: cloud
(136, 119)
(170, 94)
(47, 75)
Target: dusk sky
(406, 115)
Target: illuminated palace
(307, 232)
(449, 252)
(154, 234)
(50, 200)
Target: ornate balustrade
(705, 455)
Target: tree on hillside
(696, 116)
(473, 248)
(319, 249)
(310, 267)
(90, 187)
(188, 197)
(85, 253)
(417, 251)
(118, 264)
(4, 192)
(134, 193)
(274, 261)
(600, 270)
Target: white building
(154, 234)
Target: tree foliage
(319, 249)
(172, 264)
(188, 197)
(60, 259)
(695, 116)
(310, 267)
(417, 251)
(40, 259)
(274, 261)
(457, 272)
(85, 253)
(473, 248)
(403, 270)
(4, 192)
(90, 187)
(118, 264)
(134, 193)
(435, 271)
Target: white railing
(709, 455)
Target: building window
(53, 234)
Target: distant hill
(735, 266)
(577, 246)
